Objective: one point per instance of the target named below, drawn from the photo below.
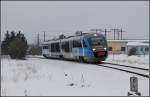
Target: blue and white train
(88, 47)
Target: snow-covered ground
(49, 77)
(136, 61)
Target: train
(83, 47)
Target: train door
(45, 50)
(65, 49)
(76, 48)
(71, 47)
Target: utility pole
(105, 30)
(38, 42)
(44, 36)
(121, 33)
(118, 35)
(115, 30)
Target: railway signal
(134, 87)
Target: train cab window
(98, 41)
(45, 47)
(77, 43)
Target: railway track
(126, 66)
(130, 69)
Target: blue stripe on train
(85, 52)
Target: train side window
(71, 45)
(66, 47)
(77, 43)
(62, 46)
(84, 44)
(146, 49)
(52, 47)
(141, 49)
(57, 48)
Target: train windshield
(98, 41)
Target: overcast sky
(57, 17)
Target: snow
(141, 61)
(37, 76)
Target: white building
(141, 48)
(120, 46)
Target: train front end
(98, 47)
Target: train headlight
(94, 49)
(95, 34)
(105, 48)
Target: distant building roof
(128, 40)
(137, 44)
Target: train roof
(73, 37)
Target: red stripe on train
(101, 53)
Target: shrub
(17, 49)
(15, 45)
(132, 51)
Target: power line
(105, 31)
(120, 31)
(95, 30)
(115, 30)
(38, 41)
